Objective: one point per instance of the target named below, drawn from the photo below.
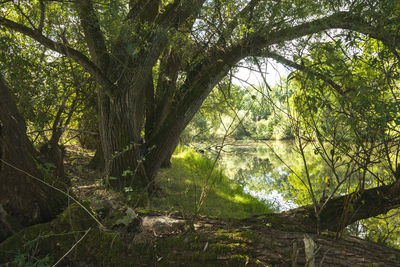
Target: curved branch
(255, 43)
(61, 48)
(219, 60)
(341, 20)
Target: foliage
(357, 126)
(256, 114)
(29, 258)
(154, 66)
(384, 229)
(346, 110)
(44, 85)
(262, 129)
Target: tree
(25, 199)
(155, 62)
(346, 108)
(48, 89)
(40, 95)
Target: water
(274, 172)
(262, 169)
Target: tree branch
(254, 44)
(70, 52)
(306, 69)
(217, 61)
(178, 12)
(340, 20)
(145, 10)
(18, 7)
(42, 16)
(246, 10)
(93, 35)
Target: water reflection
(258, 167)
(274, 171)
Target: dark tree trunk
(51, 152)
(339, 212)
(23, 199)
(121, 142)
(97, 162)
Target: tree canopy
(155, 62)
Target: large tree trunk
(24, 200)
(339, 212)
(121, 142)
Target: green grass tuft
(184, 182)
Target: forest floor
(87, 184)
(148, 234)
(217, 240)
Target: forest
(199, 133)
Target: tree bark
(23, 199)
(339, 212)
(97, 162)
(345, 210)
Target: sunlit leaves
(40, 79)
(351, 117)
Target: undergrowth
(183, 183)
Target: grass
(185, 180)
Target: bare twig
(69, 251)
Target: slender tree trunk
(23, 199)
(97, 162)
(52, 153)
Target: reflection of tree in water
(258, 174)
(261, 173)
(255, 167)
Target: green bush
(262, 129)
